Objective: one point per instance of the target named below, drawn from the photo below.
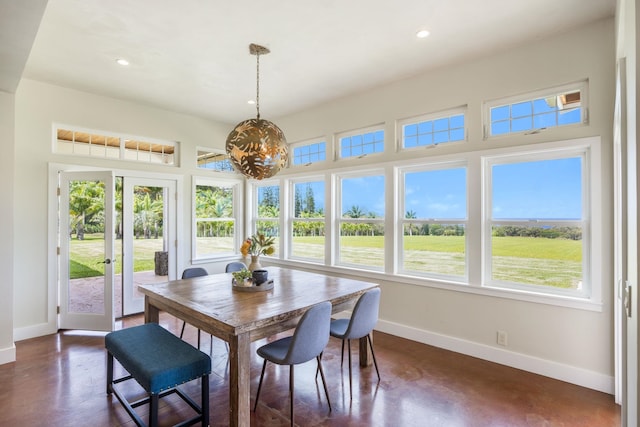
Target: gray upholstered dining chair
(234, 266)
(308, 341)
(190, 273)
(363, 319)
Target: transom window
(215, 161)
(538, 111)
(113, 146)
(306, 153)
(433, 129)
(361, 142)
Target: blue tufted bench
(159, 361)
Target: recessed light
(122, 61)
(251, 102)
(422, 34)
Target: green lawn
(87, 256)
(538, 261)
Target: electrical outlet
(502, 338)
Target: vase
(255, 263)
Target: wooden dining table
(211, 304)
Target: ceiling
(192, 56)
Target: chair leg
(182, 331)
(264, 365)
(324, 381)
(375, 363)
(342, 355)
(198, 339)
(291, 393)
(318, 367)
(350, 387)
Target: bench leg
(205, 400)
(109, 373)
(153, 409)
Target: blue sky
(546, 189)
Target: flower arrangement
(258, 244)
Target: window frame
(237, 186)
(475, 234)
(431, 117)
(291, 218)
(308, 142)
(582, 86)
(359, 132)
(211, 151)
(340, 219)
(254, 213)
(401, 172)
(121, 148)
(586, 154)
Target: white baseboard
(8, 355)
(547, 368)
(34, 331)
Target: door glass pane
(86, 247)
(150, 256)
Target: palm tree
(86, 198)
(410, 215)
(354, 212)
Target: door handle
(627, 298)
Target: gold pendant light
(257, 148)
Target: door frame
(52, 319)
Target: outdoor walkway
(87, 296)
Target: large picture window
(537, 226)
(434, 221)
(268, 213)
(215, 217)
(308, 220)
(361, 223)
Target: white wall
(567, 343)
(38, 106)
(7, 348)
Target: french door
(114, 234)
(86, 246)
(148, 237)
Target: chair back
(311, 335)
(188, 273)
(365, 315)
(234, 266)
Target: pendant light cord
(258, 85)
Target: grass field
(537, 261)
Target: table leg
(366, 359)
(239, 380)
(151, 313)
